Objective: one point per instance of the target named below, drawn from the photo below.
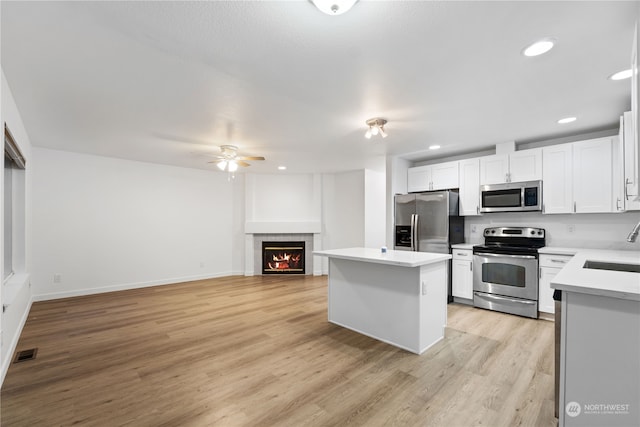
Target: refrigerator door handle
(414, 232)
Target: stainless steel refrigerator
(428, 222)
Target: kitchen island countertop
(391, 257)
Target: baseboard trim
(128, 286)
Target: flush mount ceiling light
(539, 47)
(434, 147)
(334, 7)
(376, 127)
(567, 120)
(621, 75)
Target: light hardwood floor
(258, 351)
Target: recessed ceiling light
(567, 120)
(434, 147)
(539, 47)
(282, 168)
(621, 75)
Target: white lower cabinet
(462, 274)
(550, 265)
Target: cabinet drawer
(556, 261)
(462, 254)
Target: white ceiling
(160, 81)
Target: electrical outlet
(571, 228)
(57, 278)
(474, 229)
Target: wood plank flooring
(258, 351)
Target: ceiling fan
(229, 161)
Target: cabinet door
(418, 179)
(525, 165)
(592, 176)
(545, 292)
(462, 279)
(444, 176)
(630, 163)
(557, 175)
(494, 169)
(470, 187)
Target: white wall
(18, 299)
(105, 224)
(282, 198)
(601, 231)
(375, 209)
(396, 178)
(343, 205)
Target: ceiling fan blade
(250, 158)
(242, 163)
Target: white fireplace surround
(292, 215)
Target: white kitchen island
(397, 297)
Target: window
(14, 205)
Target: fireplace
(283, 258)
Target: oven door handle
(507, 256)
(497, 297)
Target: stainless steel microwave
(511, 197)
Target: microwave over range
(511, 197)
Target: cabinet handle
(574, 207)
(543, 208)
(559, 260)
(478, 210)
(461, 254)
(618, 204)
(626, 193)
(470, 266)
(540, 273)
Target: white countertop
(617, 284)
(464, 245)
(392, 257)
(556, 250)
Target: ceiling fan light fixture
(233, 166)
(334, 7)
(376, 127)
(222, 165)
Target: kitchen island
(397, 297)
(600, 339)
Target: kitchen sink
(612, 266)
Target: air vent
(24, 355)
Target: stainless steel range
(505, 270)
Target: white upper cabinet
(444, 176)
(628, 150)
(469, 187)
(525, 165)
(441, 176)
(494, 169)
(592, 175)
(418, 179)
(557, 173)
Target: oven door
(507, 275)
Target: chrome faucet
(634, 233)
